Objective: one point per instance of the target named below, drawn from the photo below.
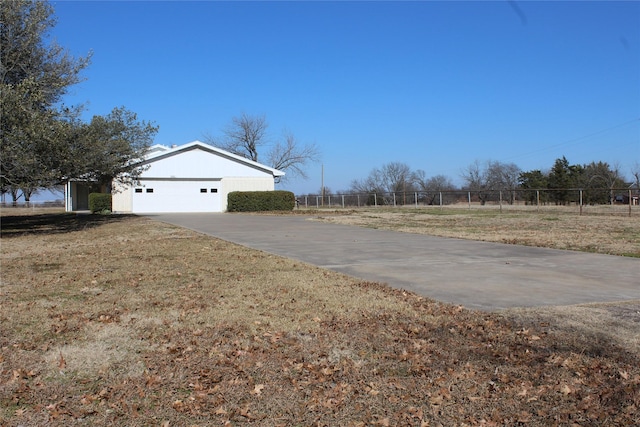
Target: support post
(580, 201)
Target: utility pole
(322, 184)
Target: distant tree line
(492, 179)
(397, 177)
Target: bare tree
(394, 177)
(246, 135)
(291, 156)
(635, 173)
(503, 177)
(370, 184)
(490, 178)
(430, 188)
(476, 180)
(243, 136)
(397, 177)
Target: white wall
(198, 163)
(244, 184)
(177, 183)
(121, 198)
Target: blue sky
(436, 85)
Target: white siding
(121, 198)
(244, 184)
(195, 177)
(198, 163)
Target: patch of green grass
(631, 254)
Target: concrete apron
(479, 275)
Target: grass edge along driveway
(129, 321)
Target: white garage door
(177, 196)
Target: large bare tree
(432, 187)
(291, 156)
(243, 136)
(248, 136)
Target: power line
(575, 140)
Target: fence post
(329, 200)
(500, 201)
(580, 201)
(343, 201)
(394, 200)
(415, 196)
(375, 199)
(538, 200)
(440, 200)
(358, 200)
(469, 197)
(629, 202)
(317, 203)
(306, 202)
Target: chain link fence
(33, 204)
(598, 201)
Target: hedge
(256, 201)
(99, 202)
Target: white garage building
(194, 177)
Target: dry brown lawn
(606, 234)
(119, 320)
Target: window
(214, 190)
(138, 190)
(203, 190)
(149, 190)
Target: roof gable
(159, 155)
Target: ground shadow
(21, 225)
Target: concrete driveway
(478, 275)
